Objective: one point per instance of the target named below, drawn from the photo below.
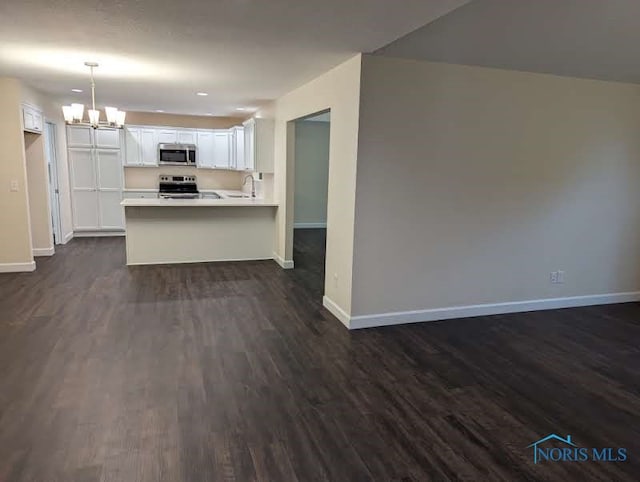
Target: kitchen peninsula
(162, 231)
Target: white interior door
(54, 193)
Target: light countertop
(224, 202)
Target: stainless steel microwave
(177, 154)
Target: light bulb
(78, 111)
(67, 112)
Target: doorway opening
(52, 169)
(310, 193)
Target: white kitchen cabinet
(237, 148)
(167, 136)
(141, 147)
(221, 149)
(106, 138)
(85, 210)
(32, 119)
(111, 213)
(132, 147)
(149, 147)
(259, 144)
(79, 136)
(96, 179)
(187, 136)
(204, 155)
(109, 171)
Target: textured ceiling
(596, 39)
(156, 54)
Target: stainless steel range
(178, 187)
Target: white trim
(97, 234)
(309, 225)
(68, 237)
(43, 251)
(17, 267)
(284, 263)
(336, 311)
(385, 319)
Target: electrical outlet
(556, 277)
(14, 186)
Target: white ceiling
(595, 39)
(156, 54)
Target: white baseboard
(193, 261)
(309, 225)
(284, 263)
(336, 311)
(43, 251)
(97, 234)
(417, 316)
(68, 237)
(17, 267)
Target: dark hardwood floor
(234, 371)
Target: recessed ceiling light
(159, 110)
(241, 108)
(202, 94)
(76, 90)
(209, 113)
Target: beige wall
(15, 235)
(474, 184)
(38, 182)
(188, 121)
(52, 112)
(147, 177)
(338, 90)
(311, 172)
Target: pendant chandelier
(74, 113)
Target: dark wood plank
(234, 371)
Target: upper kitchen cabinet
(167, 136)
(221, 149)
(32, 119)
(79, 136)
(187, 136)
(141, 147)
(204, 155)
(106, 138)
(237, 148)
(87, 137)
(259, 144)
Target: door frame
(51, 145)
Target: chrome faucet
(253, 184)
